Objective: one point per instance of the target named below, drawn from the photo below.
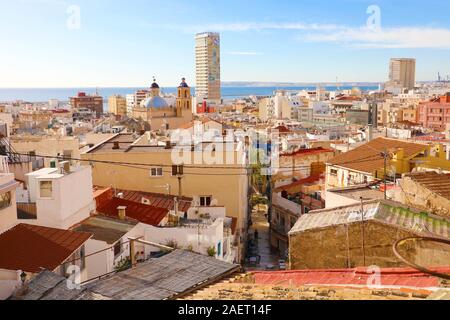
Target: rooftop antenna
(439, 77)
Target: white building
(57, 197)
(8, 209)
(131, 102)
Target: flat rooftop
(105, 229)
(356, 192)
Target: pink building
(435, 114)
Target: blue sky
(126, 43)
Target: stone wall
(412, 193)
(341, 247)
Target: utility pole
(363, 232)
(178, 171)
(385, 155)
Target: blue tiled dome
(156, 102)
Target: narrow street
(259, 255)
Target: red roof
(31, 248)
(301, 152)
(282, 129)
(157, 200)
(134, 210)
(405, 277)
(310, 179)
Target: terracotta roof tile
(302, 152)
(308, 180)
(134, 210)
(30, 248)
(157, 199)
(368, 157)
(435, 182)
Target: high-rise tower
(402, 73)
(207, 55)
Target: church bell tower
(184, 99)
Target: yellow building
(367, 164)
(51, 146)
(117, 105)
(209, 185)
(159, 114)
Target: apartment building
(208, 184)
(366, 163)
(435, 114)
(48, 146)
(402, 74)
(85, 101)
(117, 105)
(207, 55)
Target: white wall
(199, 238)
(8, 216)
(334, 200)
(9, 280)
(71, 202)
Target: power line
(151, 165)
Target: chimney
(168, 145)
(122, 212)
(64, 167)
(116, 145)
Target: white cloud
(244, 53)
(358, 37)
(248, 26)
(401, 37)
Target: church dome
(154, 85)
(156, 103)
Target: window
(205, 201)
(156, 172)
(46, 189)
(118, 248)
(333, 172)
(67, 154)
(5, 200)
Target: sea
(63, 94)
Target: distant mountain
(295, 84)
